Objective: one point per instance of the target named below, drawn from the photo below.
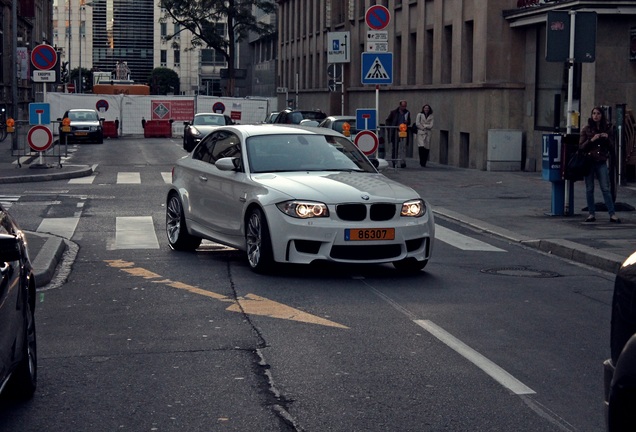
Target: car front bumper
(302, 241)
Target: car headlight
(195, 132)
(303, 209)
(415, 208)
(92, 128)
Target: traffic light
(64, 72)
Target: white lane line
(82, 180)
(135, 232)
(167, 177)
(463, 242)
(490, 368)
(63, 227)
(128, 178)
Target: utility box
(504, 150)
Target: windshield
(210, 120)
(83, 115)
(304, 152)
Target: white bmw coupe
(294, 194)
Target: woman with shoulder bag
(424, 124)
(597, 141)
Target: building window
(210, 57)
(163, 58)
(177, 57)
(447, 55)
(467, 52)
(164, 30)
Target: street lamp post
(79, 40)
(68, 3)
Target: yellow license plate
(370, 234)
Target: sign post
(377, 19)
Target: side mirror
(9, 248)
(227, 163)
(186, 123)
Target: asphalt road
(494, 336)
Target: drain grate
(520, 271)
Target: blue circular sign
(377, 17)
(44, 57)
(218, 108)
(102, 105)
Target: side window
(228, 145)
(218, 145)
(203, 151)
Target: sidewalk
(515, 206)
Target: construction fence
(131, 111)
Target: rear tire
(259, 243)
(176, 229)
(24, 379)
(409, 265)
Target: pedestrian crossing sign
(377, 68)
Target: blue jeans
(600, 171)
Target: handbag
(578, 166)
(414, 128)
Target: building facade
(24, 24)
(480, 65)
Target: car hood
(205, 129)
(85, 123)
(337, 187)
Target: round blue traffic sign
(101, 105)
(44, 57)
(218, 108)
(377, 17)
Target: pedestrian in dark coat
(397, 117)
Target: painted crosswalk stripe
(463, 242)
(8, 200)
(63, 227)
(167, 177)
(83, 180)
(135, 232)
(128, 178)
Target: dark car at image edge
(620, 369)
(18, 353)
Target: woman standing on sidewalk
(424, 124)
(597, 140)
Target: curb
(77, 171)
(48, 257)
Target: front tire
(409, 265)
(176, 229)
(259, 243)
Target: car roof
(208, 114)
(279, 129)
(341, 117)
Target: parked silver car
(293, 194)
